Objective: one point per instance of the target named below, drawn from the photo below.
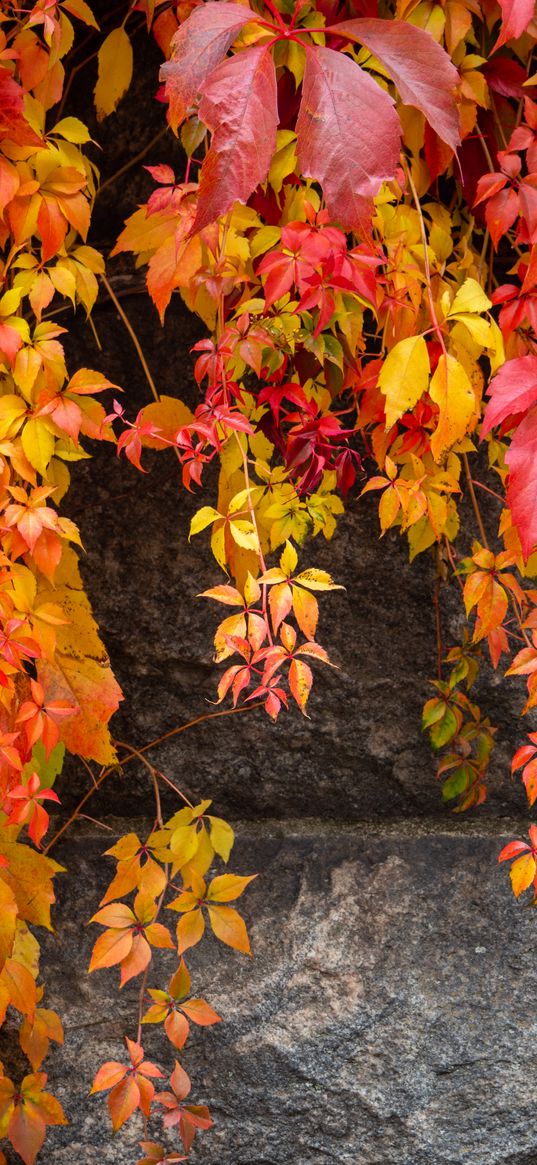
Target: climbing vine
(355, 223)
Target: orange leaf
(108, 1075)
(20, 986)
(111, 947)
(123, 1101)
(200, 1012)
(522, 873)
(190, 930)
(230, 928)
(300, 682)
(177, 1029)
(138, 958)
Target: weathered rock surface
(362, 753)
(385, 1019)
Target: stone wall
(387, 1015)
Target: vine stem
(475, 503)
(438, 626)
(154, 774)
(146, 747)
(432, 309)
(133, 161)
(125, 319)
(452, 563)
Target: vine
(356, 226)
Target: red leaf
(199, 45)
(500, 213)
(422, 71)
(348, 134)
(516, 15)
(521, 458)
(512, 849)
(513, 390)
(244, 131)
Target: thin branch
(132, 162)
(474, 501)
(133, 336)
(136, 753)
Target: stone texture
(385, 1019)
(362, 753)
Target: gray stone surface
(386, 1018)
(362, 753)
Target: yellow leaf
(479, 329)
(81, 672)
(404, 377)
(203, 518)
(115, 63)
(73, 130)
(38, 444)
(451, 390)
(284, 160)
(470, 298)
(522, 873)
(222, 837)
(168, 414)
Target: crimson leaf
(198, 46)
(348, 134)
(421, 69)
(513, 390)
(516, 15)
(240, 107)
(521, 457)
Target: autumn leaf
(115, 65)
(197, 48)
(451, 390)
(25, 1113)
(422, 71)
(35, 1035)
(404, 377)
(244, 132)
(516, 15)
(230, 928)
(351, 157)
(521, 489)
(131, 1087)
(80, 674)
(512, 391)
